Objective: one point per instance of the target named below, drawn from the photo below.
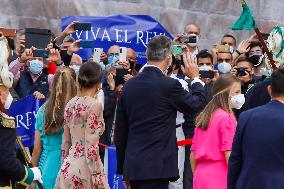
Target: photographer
(190, 38)
(244, 70)
(29, 77)
(75, 58)
(175, 72)
(116, 74)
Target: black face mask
(132, 64)
(255, 60)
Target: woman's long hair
(63, 89)
(221, 99)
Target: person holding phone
(11, 169)
(244, 70)
(207, 73)
(175, 72)
(29, 77)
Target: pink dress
(82, 167)
(209, 147)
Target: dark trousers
(187, 173)
(150, 184)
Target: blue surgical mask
(224, 67)
(36, 66)
(112, 59)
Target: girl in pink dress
(214, 133)
(83, 125)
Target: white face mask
(75, 68)
(266, 71)
(205, 68)
(238, 101)
(224, 67)
(8, 101)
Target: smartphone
(86, 44)
(177, 50)
(83, 26)
(206, 74)
(8, 32)
(97, 55)
(38, 38)
(122, 54)
(120, 73)
(41, 53)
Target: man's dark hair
(231, 36)
(158, 48)
(244, 59)
(204, 54)
(277, 82)
(255, 43)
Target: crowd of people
(224, 101)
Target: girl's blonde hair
(63, 89)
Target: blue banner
(115, 181)
(132, 31)
(24, 111)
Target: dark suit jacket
(257, 159)
(11, 168)
(146, 124)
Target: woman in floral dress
(83, 126)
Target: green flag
(246, 20)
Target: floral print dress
(82, 166)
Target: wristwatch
(237, 51)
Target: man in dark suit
(146, 118)
(257, 158)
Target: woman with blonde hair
(49, 126)
(214, 133)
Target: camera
(188, 39)
(241, 71)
